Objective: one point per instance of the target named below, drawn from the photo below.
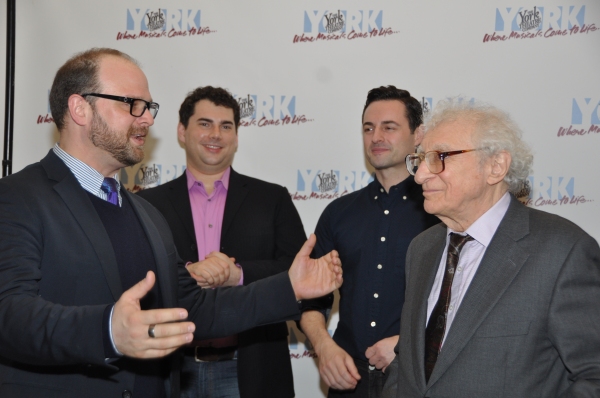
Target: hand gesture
(216, 270)
(313, 278)
(336, 367)
(381, 354)
(130, 325)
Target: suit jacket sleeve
(35, 330)
(289, 236)
(574, 319)
(227, 310)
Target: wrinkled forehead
(449, 136)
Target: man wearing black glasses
(92, 291)
(501, 299)
(371, 229)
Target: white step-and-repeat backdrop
(301, 71)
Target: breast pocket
(504, 329)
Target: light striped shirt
(89, 178)
(482, 231)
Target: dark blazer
(58, 273)
(528, 326)
(263, 231)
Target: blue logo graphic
(323, 181)
(161, 19)
(552, 188)
(331, 21)
(585, 111)
(536, 18)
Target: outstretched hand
(313, 278)
(130, 325)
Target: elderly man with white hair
(501, 300)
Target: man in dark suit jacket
(502, 300)
(73, 244)
(261, 230)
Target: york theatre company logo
(329, 184)
(553, 191)
(269, 110)
(144, 23)
(585, 118)
(142, 176)
(326, 25)
(540, 22)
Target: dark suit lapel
(160, 253)
(501, 262)
(236, 193)
(423, 271)
(180, 199)
(80, 206)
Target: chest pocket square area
(505, 329)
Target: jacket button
(127, 394)
(194, 247)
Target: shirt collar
(484, 228)
(223, 181)
(89, 178)
(404, 187)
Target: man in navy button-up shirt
(371, 229)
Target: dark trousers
(370, 384)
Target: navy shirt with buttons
(371, 229)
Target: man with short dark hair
(371, 229)
(92, 291)
(237, 230)
(501, 299)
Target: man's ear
(500, 163)
(418, 135)
(79, 109)
(181, 133)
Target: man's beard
(117, 142)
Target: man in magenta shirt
(235, 230)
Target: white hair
(495, 132)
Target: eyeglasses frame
(129, 101)
(441, 155)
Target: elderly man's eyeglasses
(433, 159)
(137, 106)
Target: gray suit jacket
(528, 326)
(58, 273)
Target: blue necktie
(109, 185)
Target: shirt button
(373, 324)
(209, 200)
(404, 197)
(386, 212)
(459, 269)
(380, 189)
(383, 238)
(379, 266)
(375, 295)
(450, 308)
(209, 225)
(375, 197)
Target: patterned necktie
(109, 185)
(436, 327)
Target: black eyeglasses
(433, 159)
(137, 106)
